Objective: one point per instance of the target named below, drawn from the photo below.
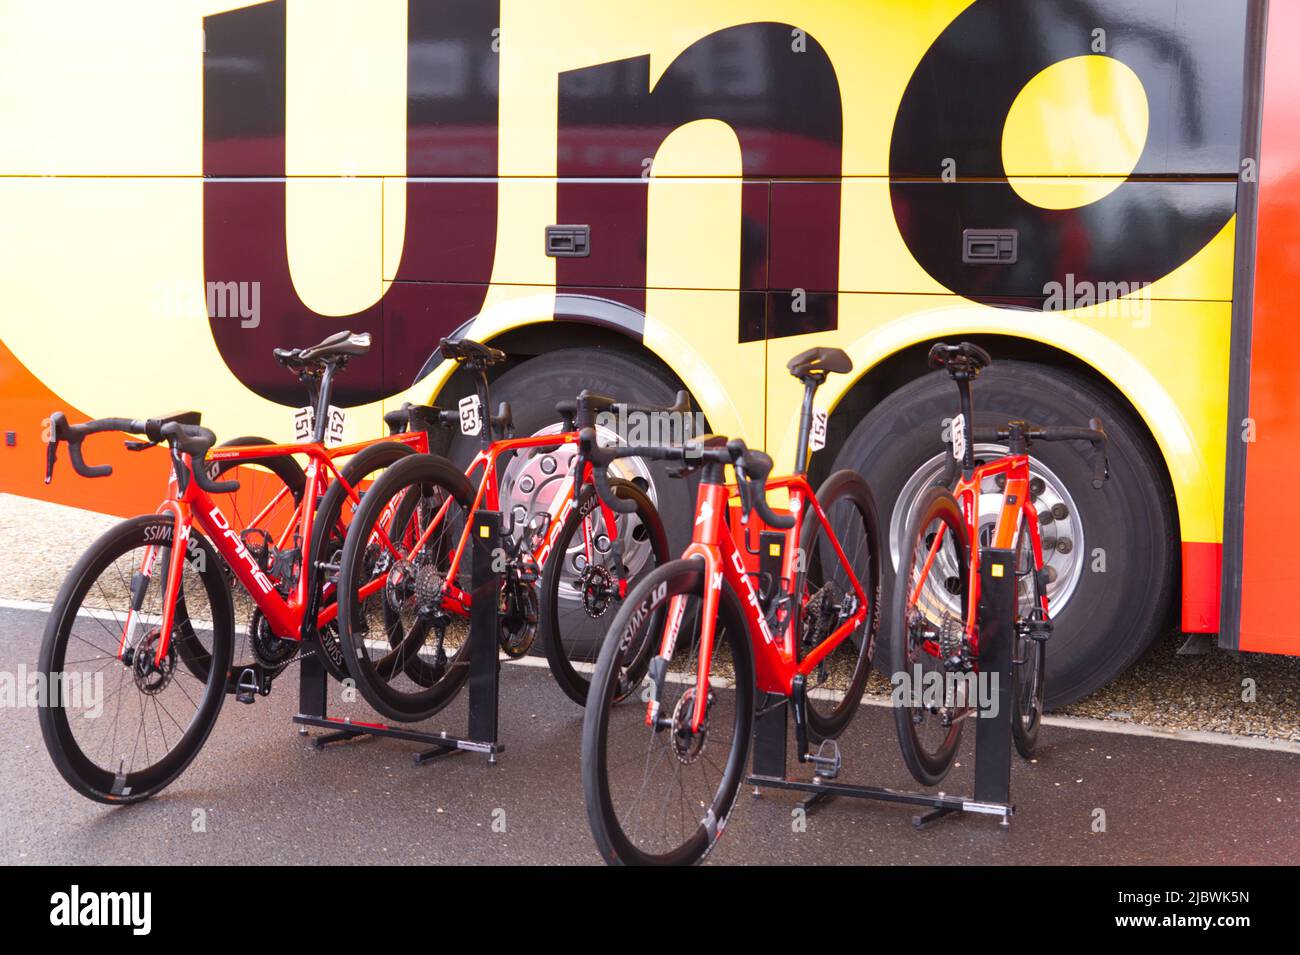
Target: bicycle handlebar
(191, 439)
(590, 404)
(752, 469)
(1095, 434)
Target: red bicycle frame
(286, 616)
(713, 542)
(1017, 506)
(456, 598)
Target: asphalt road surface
(269, 797)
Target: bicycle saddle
(820, 362)
(339, 347)
(966, 359)
(471, 354)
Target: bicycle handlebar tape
(752, 469)
(600, 459)
(73, 435)
(195, 440)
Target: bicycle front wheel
(931, 593)
(581, 585)
(118, 724)
(662, 794)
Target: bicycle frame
(456, 598)
(712, 541)
(287, 617)
(1017, 506)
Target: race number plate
(471, 415)
(304, 420)
(817, 437)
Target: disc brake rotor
(596, 585)
(150, 677)
(688, 744)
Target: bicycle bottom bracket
(150, 677)
(688, 744)
(272, 652)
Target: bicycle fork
(180, 538)
(711, 506)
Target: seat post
(484, 393)
(810, 383)
(323, 395)
(968, 424)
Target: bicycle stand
(484, 670)
(992, 733)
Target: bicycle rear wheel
(578, 592)
(662, 795)
(928, 611)
(119, 725)
(334, 515)
(401, 644)
(826, 598)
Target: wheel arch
(535, 325)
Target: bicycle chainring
(271, 652)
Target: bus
(637, 197)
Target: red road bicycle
(566, 560)
(936, 598)
(137, 654)
(661, 780)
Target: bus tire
(1123, 573)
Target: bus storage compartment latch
(988, 246)
(568, 241)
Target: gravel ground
(1163, 690)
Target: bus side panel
(1270, 570)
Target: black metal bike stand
(484, 669)
(992, 794)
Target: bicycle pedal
(827, 764)
(246, 690)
